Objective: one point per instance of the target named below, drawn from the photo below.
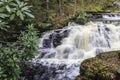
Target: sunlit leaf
(8, 8)
(2, 15)
(28, 14)
(21, 16)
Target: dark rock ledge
(105, 66)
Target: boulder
(105, 66)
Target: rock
(102, 67)
(118, 71)
(118, 74)
(58, 36)
(81, 21)
(46, 43)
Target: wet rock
(102, 67)
(81, 21)
(36, 77)
(59, 36)
(44, 70)
(66, 33)
(57, 40)
(118, 74)
(118, 71)
(42, 55)
(119, 55)
(51, 55)
(27, 73)
(46, 43)
(98, 51)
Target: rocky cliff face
(105, 66)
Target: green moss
(102, 67)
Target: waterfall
(62, 51)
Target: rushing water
(63, 50)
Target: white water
(63, 50)
(111, 16)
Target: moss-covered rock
(102, 67)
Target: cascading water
(63, 50)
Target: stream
(61, 51)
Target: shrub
(23, 50)
(12, 9)
(29, 41)
(9, 63)
(82, 15)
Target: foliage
(9, 63)
(12, 14)
(97, 8)
(11, 55)
(3, 25)
(29, 41)
(82, 15)
(14, 8)
(26, 46)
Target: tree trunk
(47, 8)
(47, 4)
(75, 5)
(60, 7)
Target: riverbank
(55, 14)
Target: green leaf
(12, 16)
(2, 9)
(8, 8)
(3, 15)
(25, 8)
(28, 14)
(21, 16)
(18, 2)
(14, 4)
(18, 13)
(21, 4)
